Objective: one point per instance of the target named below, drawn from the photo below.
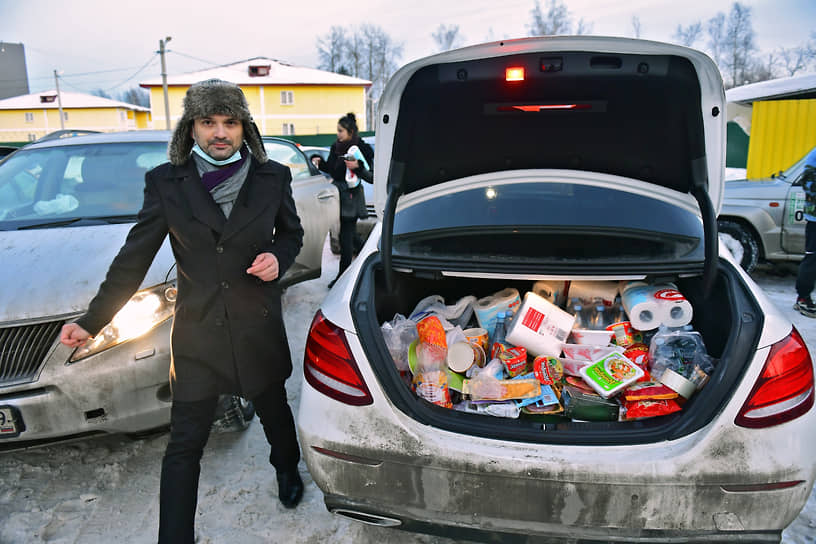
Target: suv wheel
(741, 242)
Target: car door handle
(323, 195)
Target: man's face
(220, 136)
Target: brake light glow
(784, 389)
(543, 107)
(329, 366)
(514, 73)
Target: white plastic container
(540, 326)
(610, 374)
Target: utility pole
(162, 43)
(59, 101)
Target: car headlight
(143, 311)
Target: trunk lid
(630, 114)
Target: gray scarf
(225, 192)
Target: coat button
(219, 249)
(225, 284)
(219, 322)
(265, 312)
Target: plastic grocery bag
(398, 334)
(458, 313)
(431, 378)
(678, 359)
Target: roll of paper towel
(644, 310)
(675, 309)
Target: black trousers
(348, 233)
(190, 424)
(806, 277)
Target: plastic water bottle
(599, 319)
(578, 312)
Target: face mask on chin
(203, 154)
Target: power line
(196, 58)
(150, 61)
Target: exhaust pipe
(367, 518)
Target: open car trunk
(729, 319)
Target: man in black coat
(234, 231)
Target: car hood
(634, 108)
(55, 272)
(763, 188)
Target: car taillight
(329, 365)
(784, 390)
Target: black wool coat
(228, 333)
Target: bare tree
(688, 35)
(101, 93)
(331, 50)
(740, 45)
(636, 26)
(447, 37)
(583, 27)
(793, 59)
(557, 20)
(716, 37)
(136, 95)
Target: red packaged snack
(431, 331)
(514, 360)
(639, 354)
(640, 409)
(548, 370)
(648, 391)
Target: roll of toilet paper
(675, 309)
(488, 307)
(643, 309)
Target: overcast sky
(115, 39)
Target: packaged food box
(586, 352)
(592, 337)
(611, 374)
(540, 326)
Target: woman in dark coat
(347, 176)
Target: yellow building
(32, 116)
(284, 99)
(779, 118)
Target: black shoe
(805, 306)
(290, 488)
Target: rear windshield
(548, 222)
(55, 185)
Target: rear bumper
(111, 392)
(374, 514)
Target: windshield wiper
(86, 220)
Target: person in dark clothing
(234, 231)
(347, 171)
(807, 269)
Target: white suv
(556, 158)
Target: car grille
(23, 350)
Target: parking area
(105, 490)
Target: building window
(32, 137)
(287, 98)
(259, 70)
(288, 129)
(29, 117)
(47, 98)
(122, 116)
(64, 115)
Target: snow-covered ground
(105, 490)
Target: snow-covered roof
(35, 101)
(280, 73)
(802, 86)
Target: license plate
(11, 424)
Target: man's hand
(73, 335)
(265, 267)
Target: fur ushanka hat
(213, 97)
